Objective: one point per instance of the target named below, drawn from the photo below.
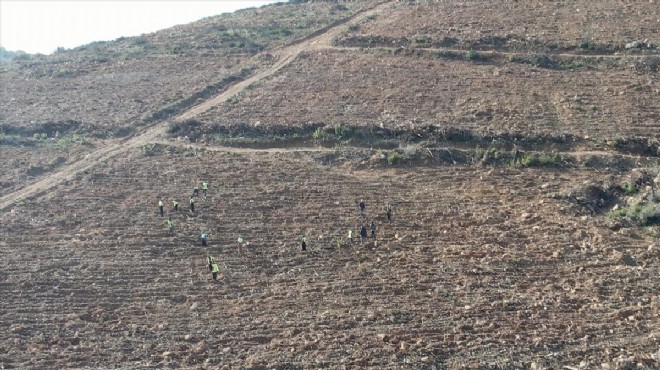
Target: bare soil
(488, 263)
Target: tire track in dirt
(285, 55)
(108, 150)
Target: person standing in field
(160, 207)
(205, 187)
(195, 191)
(373, 230)
(175, 204)
(241, 243)
(350, 237)
(214, 270)
(363, 234)
(192, 205)
(303, 242)
(363, 207)
(209, 262)
(170, 226)
(388, 210)
(203, 238)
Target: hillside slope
(522, 164)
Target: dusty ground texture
(525, 229)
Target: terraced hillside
(523, 176)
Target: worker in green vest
(209, 262)
(205, 187)
(214, 270)
(170, 225)
(350, 237)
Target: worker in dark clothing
(192, 205)
(203, 238)
(160, 207)
(195, 191)
(363, 234)
(303, 242)
(176, 205)
(388, 210)
(373, 230)
(363, 207)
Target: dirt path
(108, 150)
(285, 56)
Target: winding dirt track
(284, 55)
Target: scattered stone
(633, 45)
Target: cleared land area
(520, 156)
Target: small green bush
(320, 134)
(479, 153)
(639, 214)
(532, 160)
(393, 157)
(588, 45)
(343, 132)
(630, 188)
(473, 56)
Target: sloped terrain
(525, 231)
(481, 266)
(586, 27)
(408, 92)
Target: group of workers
(212, 264)
(175, 207)
(363, 229)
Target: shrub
(531, 160)
(320, 134)
(617, 143)
(393, 157)
(410, 151)
(34, 169)
(639, 214)
(629, 188)
(588, 45)
(343, 132)
(479, 153)
(473, 56)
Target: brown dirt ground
(481, 267)
(484, 267)
(527, 25)
(396, 91)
